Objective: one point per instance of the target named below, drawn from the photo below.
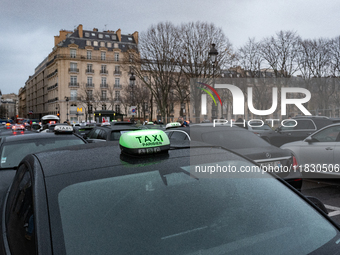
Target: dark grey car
(243, 142)
(296, 129)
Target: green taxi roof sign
(144, 142)
(173, 125)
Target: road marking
(336, 210)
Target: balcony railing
(103, 98)
(117, 72)
(117, 86)
(75, 98)
(73, 70)
(89, 85)
(89, 71)
(103, 72)
(67, 56)
(102, 85)
(74, 84)
(53, 86)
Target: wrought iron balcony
(74, 84)
(73, 70)
(90, 71)
(102, 85)
(89, 85)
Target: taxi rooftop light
(143, 142)
(63, 129)
(172, 125)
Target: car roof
(109, 155)
(117, 127)
(319, 121)
(121, 123)
(208, 128)
(34, 136)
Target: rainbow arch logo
(204, 97)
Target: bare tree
(250, 59)
(158, 49)
(281, 53)
(136, 95)
(196, 41)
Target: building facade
(9, 106)
(85, 71)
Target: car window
(169, 134)
(13, 152)
(177, 135)
(304, 125)
(20, 215)
(330, 134)
(102, 135)
(288, 125)
(94, 133)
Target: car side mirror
(310, 140)
(318, 204)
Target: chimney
(62, 36)
(119, 35)
(80, 31)
(135, 36)
(95, 30)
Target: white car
(319, 152)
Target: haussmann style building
(85, 72)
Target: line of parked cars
(68, 191)
(148, 194)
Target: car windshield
(13, 152)
(171, 212)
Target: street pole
(67, 99)
(213, 56)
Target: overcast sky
(28, 27)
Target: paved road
(326, 190)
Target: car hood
(263, 154)
(292, 144)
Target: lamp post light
(67, 99)
(132, 80)
(213, 57)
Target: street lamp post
(132, 84)
(213, 57)
(67, 99)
